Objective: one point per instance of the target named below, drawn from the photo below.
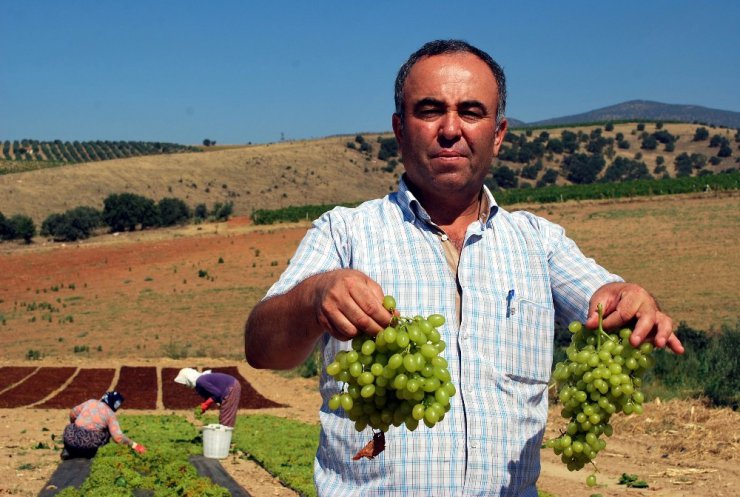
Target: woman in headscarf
(92, 424)
(215, 388)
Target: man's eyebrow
(428, 102)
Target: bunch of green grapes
(601, 376)
(397, 377)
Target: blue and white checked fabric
(489, 441)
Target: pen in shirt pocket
(509, 298)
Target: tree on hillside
(6, 231)
(505, 177)
(623, 169)
(649, 143)
(388, 148)
(583, 168)
(222, 212)
(75, 224)
(126, 211)
(206, 142)
(173, 211)
(22, 227)
(701, 134)
(201, 212)
(549, 178)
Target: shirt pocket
(529, 331)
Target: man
(440, 244)
(92, 424)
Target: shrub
(582, 168)
(126, 211)
(22, 227)
(201, 211)
(505, 177)
(722, 385)
(701, 134)
(75, 224)
(388, 148)
(172, 211)
(222, 212)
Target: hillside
(334, 169)
(258, 176)
(646, 110)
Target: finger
(621, 313)
(338, 326)
(675, 344)
(645, 325)
(664, 330)
(370, 315)
(608, 301)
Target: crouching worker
(92, 424)
(215, 388)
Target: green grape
(436, 320)
(334, 402)
(601, 376)
(389, 303)
(397, 378)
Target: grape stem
(600, 310)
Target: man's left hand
(624, 303)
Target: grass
(284, 447)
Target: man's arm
(625, 302)
(282, 331)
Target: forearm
(282, 331)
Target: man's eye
(471, 114)
(429, 112)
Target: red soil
(89, 383)
(10, 375)
(138, 385)
(35, 387)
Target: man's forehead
(437, 73)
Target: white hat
(188, 377)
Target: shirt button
(474, 444)
(469, 388)
(465, 336)
(443, 237)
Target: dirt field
(180, 297)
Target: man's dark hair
(441, 47)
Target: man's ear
(501, 129)
(397, 122)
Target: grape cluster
(397, 377)
(601, 376)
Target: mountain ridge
(644, 110)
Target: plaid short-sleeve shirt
(517, 274)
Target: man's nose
(449, 128)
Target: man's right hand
(347, 302)
(282, 331)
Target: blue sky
(239, 72)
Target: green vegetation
(35, 154)
(121, 212)
(284, 447)
(709, 368)
(164, 470)
(549, 194)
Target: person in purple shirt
(215, 388)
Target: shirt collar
(413, 208)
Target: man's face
(448, 135)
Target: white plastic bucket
(216, 441)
